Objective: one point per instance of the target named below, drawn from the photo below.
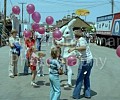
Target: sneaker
(17, 74)
(68, 86)
(33, 84)
(38, 75)
(11, 76)
(88, 97)
(42, 75)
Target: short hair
(40, 53)
(13, 31)
(54, 52)
(77, 35)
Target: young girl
(40, 63)
(28, 43)
(55, 69)
(33, 64)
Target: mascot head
(67, 30)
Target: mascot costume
(67, 38)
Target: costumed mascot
(66, 42)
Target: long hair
(54, 52)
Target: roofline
(75, 18)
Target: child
(33, 64)
(55, 69)
(40, 63)
(13, 70)
(28, 43)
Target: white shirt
(85, 55)
(38, 35)
(12, 41)
(47, 33)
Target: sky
(60, 8)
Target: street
(105, 78)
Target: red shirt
(29, 42)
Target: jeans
(38, 44)
(55, 90)
(26, 66)
(13, 70)
(82, 76)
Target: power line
(76, 9)
(11, 3)
(82, 2)
(72, 3)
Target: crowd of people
(34, 60)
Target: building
(66, 19)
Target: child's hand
(63, 61)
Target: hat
(13, 31)
(41, 53)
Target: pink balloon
(30, 8)
(71, 60)
(36, 17)
(49, 20)
(16, 10)
(48, 60)
(41, 30)
(35, 26)
(118, 51)
(57, 35)
(27, 34)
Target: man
(39, 38)
(85, 66)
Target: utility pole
(112, 4)
(22, 9)
(29, 18)
(5, 3)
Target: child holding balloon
(29, 42)
(13, 43)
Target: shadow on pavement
(47, 84)
(40, 83)
(93, 93)
(23, 74)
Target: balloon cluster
(30, 8)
